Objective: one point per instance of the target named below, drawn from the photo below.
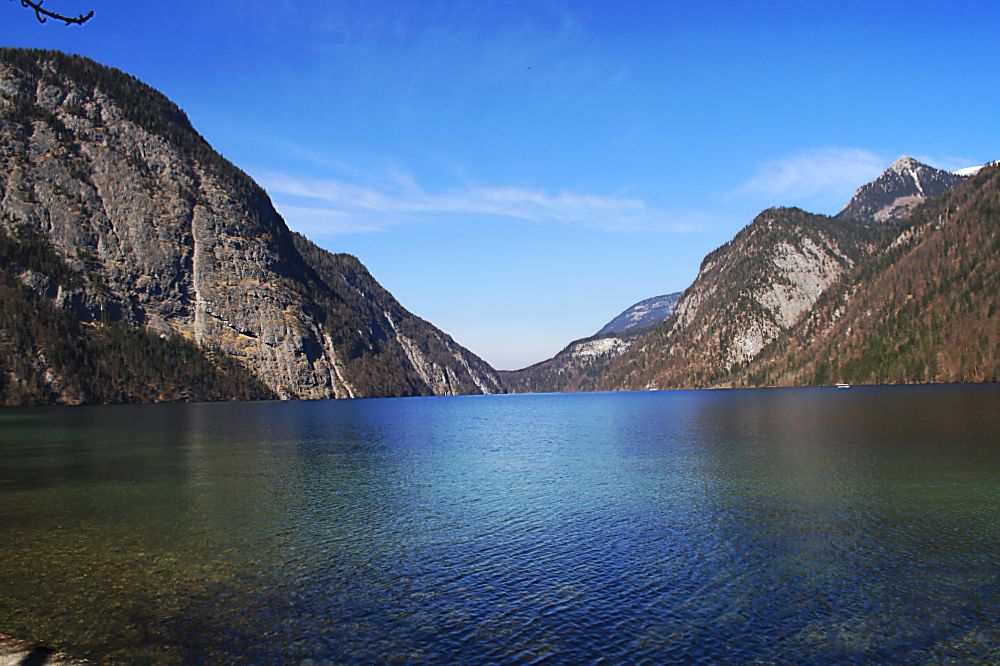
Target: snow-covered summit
(968, 172)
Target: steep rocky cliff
(47, 355)
(163, 234)
(393, 340)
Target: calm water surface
(723, 526)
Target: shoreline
(11, 407)
(15, 652)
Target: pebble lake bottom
(774, 526)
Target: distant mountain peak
(905, 163)
(643, 314)
(900, 188)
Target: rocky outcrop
(168, 236)
(22, 653)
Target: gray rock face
(169, 236)
(394, 340)
(757, 286)
(895, 193)
(645, 313)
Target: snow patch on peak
(969, 171)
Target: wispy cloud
(478, 42)
(824, 175)
(823, 172)
(336, 206)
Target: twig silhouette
(44, 15)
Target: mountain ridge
(576, 367)
(746, 293)
(924, 310)
(750, 293)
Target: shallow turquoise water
(723, 526)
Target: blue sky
(519, 172)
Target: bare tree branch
(44, 15)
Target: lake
(783, 525)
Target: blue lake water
(723, 526)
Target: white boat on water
(842, 386)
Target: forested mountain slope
(756, 291)
(577, 367)
(926, 309)
(797, 298)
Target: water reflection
(765, 525)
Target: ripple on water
(646, 528)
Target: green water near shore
(723, 526)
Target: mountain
(897, 191)
(578, 367)
(129, 235)
(745, 295)
(748, 294)
(581, 364)
(755, 313)
(393, 333)
(48, 355)
(925, 309)
(969, 171)
(643, 314)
